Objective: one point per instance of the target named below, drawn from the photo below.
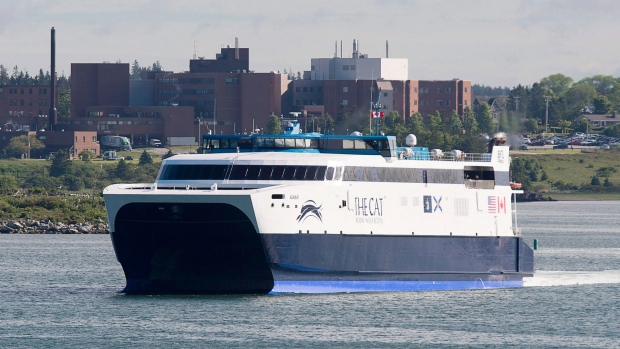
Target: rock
(5, 230)
(15, 225)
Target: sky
(493, 43)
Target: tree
(4, 75)
(601, 105)
(456, 126)
(60, 164)
(85, 155)
(145, 158)
(273, 125)
(135, 70)
(558, 83)
(167, 155)
(123, 171)
(484, 117)
(23, 144)
(64, 104)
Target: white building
(359, 67)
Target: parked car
(523, 147)
(561, 146)
(538, 143)
(155, 143)
(604, 146)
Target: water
(62, 291)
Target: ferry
(314, 213)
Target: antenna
(336, 49)
(194, 49)
(387, 52)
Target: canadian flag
(377, 114)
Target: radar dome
(411, 140)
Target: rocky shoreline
(30, 226)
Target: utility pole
(546, 113)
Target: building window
(448, 102)
(297, 102)
(30, 102)
(415, 89)
(345, 67)
(384, 94)
(448, 89)
(312, 68)
(305, 88)
(319, 89)
(393, 102)
(297, 89)
(44, 91)
(22, 91)
(311, 89)
(440, 102)
(21, 102)
(415, 102)
(305, 102)
(465, 89)
(30, 91)
(465, 102)
(439, 90)
(352, 67)
(345, 89)
(345, 102)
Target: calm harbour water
(62, 291)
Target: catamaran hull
(214, 248)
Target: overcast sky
(496, 43)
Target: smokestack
(354, 48)
(236, 48)
(52, 117)
(336, 49)
(387, 52)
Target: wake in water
(568, 278)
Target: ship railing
(479, 184)
(465, 157)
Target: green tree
(123, 170)
(145, 158)
(167, 155)
(456, 126)
(273, 125)
(60, 164)
(558, 83)
(86, 155)
(595, 181)
(484, 117)
(601, 105)
(23, 144)
(64, 104)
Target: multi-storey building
(356, 82)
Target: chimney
(236, 48)
(52, 117)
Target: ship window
(329, 175)
(338, 173)
(238, 172)
(300, 174)
(320, 173)
(224, 143)
(253, 172)
(311, 173)
(289, 173)
(277, 173)
(265, 172)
